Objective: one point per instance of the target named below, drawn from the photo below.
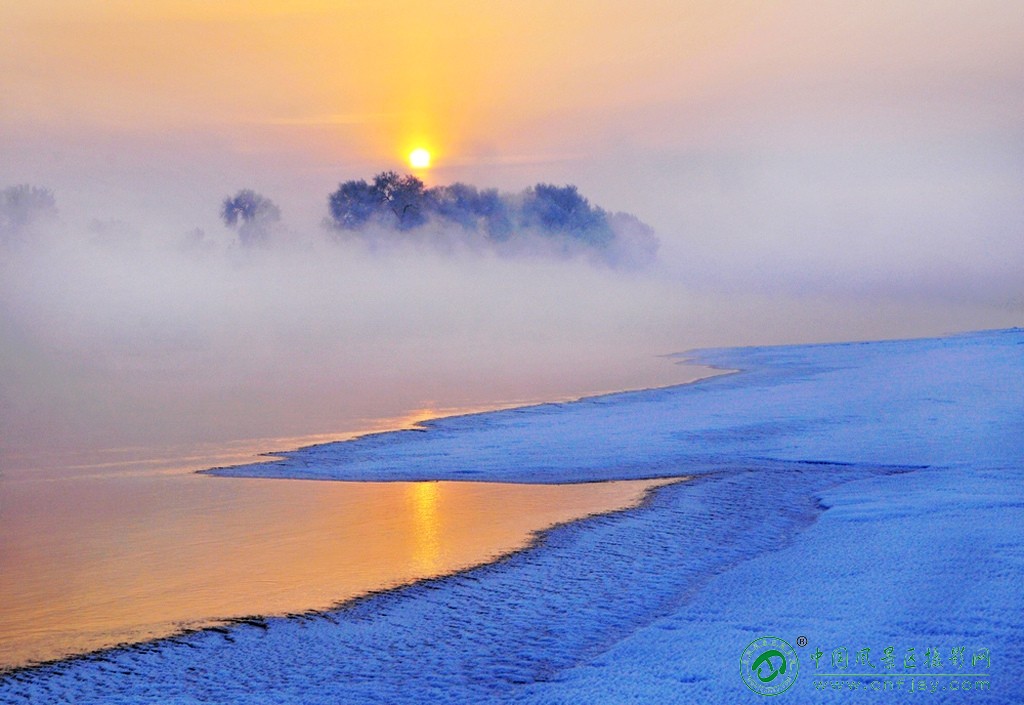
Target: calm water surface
(130, 548)
(107, 534)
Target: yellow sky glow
(354, 86)
(473, 77)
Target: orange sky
(476, 80)
(731, 116)
(467, 78)
(860, 160)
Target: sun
(419, 158)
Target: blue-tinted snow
(923, 402)
(863, 495)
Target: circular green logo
(769, 666)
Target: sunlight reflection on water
(102, 559)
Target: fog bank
(123, 333)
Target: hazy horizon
(812, 171)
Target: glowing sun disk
(419, 158)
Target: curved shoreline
(313, 569)
(505, 606)
(261, 459)
(292, 459)
(534, 541)
(174, 485)
(779, 404)
(814, 473)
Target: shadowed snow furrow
(481, 635)
(908, 453)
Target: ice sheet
(861, 495)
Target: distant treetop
(559, 215)
(252, 215)
(22, 207)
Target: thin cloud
(328, 120)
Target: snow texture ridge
(861, 495)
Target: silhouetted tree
(474, 210)
(561, 209)
(456, 203)
(353, 204)
(395, 201)
(252, 215)
(22, 207)
(496, 213)
(559, 213)
(404, 197)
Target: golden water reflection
(91, 561)
(427, 541)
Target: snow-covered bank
(863, 496)
(907, 560)
(944, 401)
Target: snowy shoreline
(288, 463)
(696, 423)
(828, 501)
(259, 620)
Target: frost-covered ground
(865, 496)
